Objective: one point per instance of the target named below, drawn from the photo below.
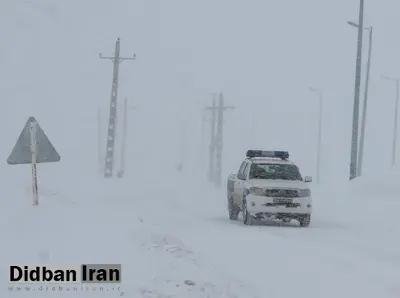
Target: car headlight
(304, 193)
(257, 191)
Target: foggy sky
(262, 54)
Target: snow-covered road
(174, 242)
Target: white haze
(263, 56)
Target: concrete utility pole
(99, 141)
(319, 131)
(124, 136)
(219, 140)
(396, 111)
(109, 160)
(203, 132)
(356, 105)
(216, 143)
(365, 104)
(182, 143)
(211, 154)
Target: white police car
(269, 186)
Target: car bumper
(261, 204)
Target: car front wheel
(305, 220)
(247, 218)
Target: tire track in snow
(293, 253)
(345, 253)
(167, 266)
(187, 274)
(347, 244)
(194, 225)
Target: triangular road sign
(21, 153)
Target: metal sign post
(32, 128)
(33, 147)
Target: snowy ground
(175, 240)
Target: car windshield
(274, 171)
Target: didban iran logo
(84, 273)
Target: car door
(239, 183)
(236, 184)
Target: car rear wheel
(233, 210)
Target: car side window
(300, 177)
(241, 169)
(246, 170)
